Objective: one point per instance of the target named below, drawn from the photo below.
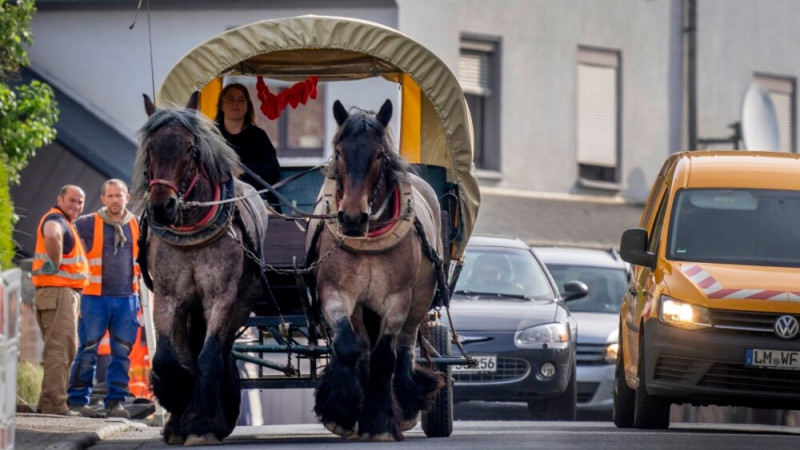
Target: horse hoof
(206, 439)
(406, 425)
(174, 440)
(340, 430)
(381, 437)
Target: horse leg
(415, 386)
(172, 385)
(339, 396)
(378, 416)
(203, 420)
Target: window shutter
(783, 108)
(597, 115)
(473, 69)
(781, 92)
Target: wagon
(285, 337)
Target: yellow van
(713, 302)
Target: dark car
(510, 316)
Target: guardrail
(11, 294)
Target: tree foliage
(27, 112)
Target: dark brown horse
(203, 256)
(374, 281)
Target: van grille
(740, 378)
(508, 370)
(743, 322)
(733, 377)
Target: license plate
(772, 359)
(486, 364)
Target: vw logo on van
(786, 327)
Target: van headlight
(683, 315)
(551, 332)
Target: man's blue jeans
(98, 314)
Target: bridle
(188, 182)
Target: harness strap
(442, 297)
(142, 243)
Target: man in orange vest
(110, 301)
(60, 272)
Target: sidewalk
(42, 431)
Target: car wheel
(649, 412)
(624, 397)
(562, 407)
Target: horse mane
(360, 121)
(213, 152)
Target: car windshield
(736, 226)
(503, 272)
(606, 286)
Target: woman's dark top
(256, 151)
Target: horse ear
(385, 113)
(339, 113)
(193, 100)
(149, 106)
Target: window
(598, 115)
(298, 132)
(781, 92)
(478, 70)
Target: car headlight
(540, 334)
(683, 315)
(611, 352)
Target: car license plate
(772, 359)
(486, 363)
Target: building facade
(575, 104)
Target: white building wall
(94, 56)
(539, 41)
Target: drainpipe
(690, 30)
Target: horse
(202, 257)
(374, 281)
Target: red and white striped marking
(713, 289)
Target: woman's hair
(249, 117)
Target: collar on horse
(205, 231)
(384, 237)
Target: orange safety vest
(74, 269)
(95, 257)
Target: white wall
(93, 56)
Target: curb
(86, 439)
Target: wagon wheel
(438, 420)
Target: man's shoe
(69, 413)
(85, 410)
(114, 409)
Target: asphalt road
(479, 426)
(480, 435)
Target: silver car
(597, 314)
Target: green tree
(27, 111)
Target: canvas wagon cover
(339, 48)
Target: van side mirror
(574, 290)
(633, 248)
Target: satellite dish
(759, 120)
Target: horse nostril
(363, 219)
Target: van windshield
(736, 226)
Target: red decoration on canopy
(272, 105)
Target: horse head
(363, 161)
(182, 156)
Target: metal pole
(691, 71)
